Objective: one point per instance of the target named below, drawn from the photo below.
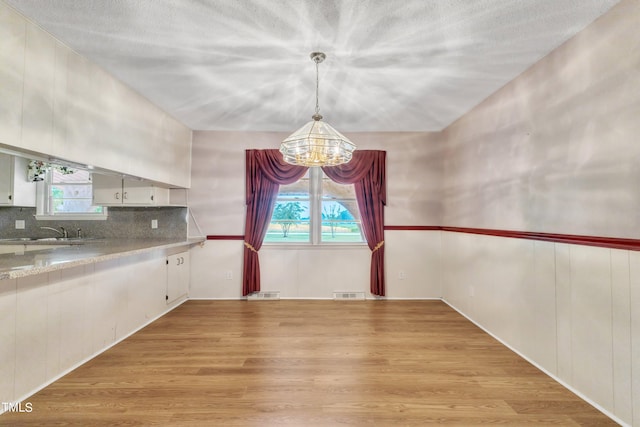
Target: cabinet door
(107, 189)
(12, 49)
(15, 189)
(24, 191)
(113, 190)
(39, 72)
(6, 179)
(175, 155)
(136, 192)
(178, 274)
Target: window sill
(309, 246)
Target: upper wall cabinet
(37, 97)
(110, 190)
(12, 47)
(96, 126)
(55, 102)
(15, 188)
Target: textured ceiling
(392, 65)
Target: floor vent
(260, 296)
(349, 295)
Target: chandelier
(317, 143)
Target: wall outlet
(402, 275)
(228, 275)
(154, 223)
(19, 224)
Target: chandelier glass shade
(317, 143)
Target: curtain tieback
(248, 245)
(378, 246)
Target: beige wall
(217, 193)
(556, 150)
(217, 202)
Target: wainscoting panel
(8, 297)
(506, 286)
(591, 328)
(413, 264)
(110, 290)
(279, 272)
(31, 334)
(322, 271)
(571, 309)
(634, 277)
(563, 312)
(621, 330)
(210, 268)
(539, 307)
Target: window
(66, 193)
(315, 210)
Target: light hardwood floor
(308, 363)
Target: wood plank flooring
(308, 363)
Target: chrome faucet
(63, 233)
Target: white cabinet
(57, 103)
(178, 276)
(38, 91)
(12, 48)
(113, 190)
(27, 72)
(15, 189)
(174, 154)
(54, 321)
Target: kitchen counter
(51, 257)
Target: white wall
(217, 201)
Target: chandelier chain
(317, 88)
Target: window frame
(315, 220)
(43, 205)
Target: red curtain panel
(265, 171)
(367, 171)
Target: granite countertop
(52, 255)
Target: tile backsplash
(122, 222)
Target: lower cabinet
(178, 275)
(53, 322)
